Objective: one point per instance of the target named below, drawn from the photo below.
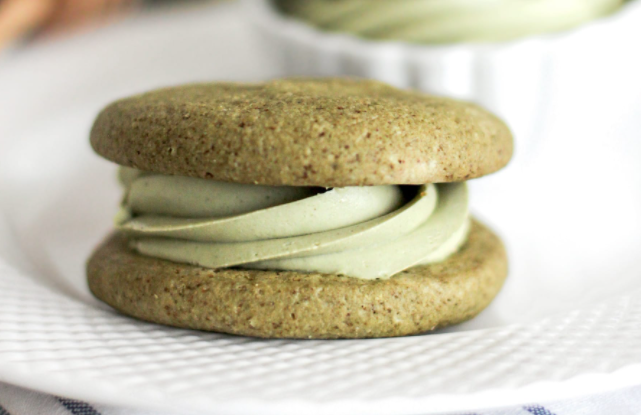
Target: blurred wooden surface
(21, 19)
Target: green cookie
(296, 305)
(329, 133)
(314, 262)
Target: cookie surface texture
(296, 305)
(327, 132)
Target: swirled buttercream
(363, 232)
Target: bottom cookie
(288, 304)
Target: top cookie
(303, 132)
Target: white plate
(568, 321)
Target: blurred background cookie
(429, 21)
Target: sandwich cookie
(329, 208)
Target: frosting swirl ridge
(363, 232)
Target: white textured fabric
(18, 401)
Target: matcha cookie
(338, 132)
(323, 208)
(296, 305)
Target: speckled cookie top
(302, 132)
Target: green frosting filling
(363, 232)
(447, 21)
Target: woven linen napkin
(18, 401)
